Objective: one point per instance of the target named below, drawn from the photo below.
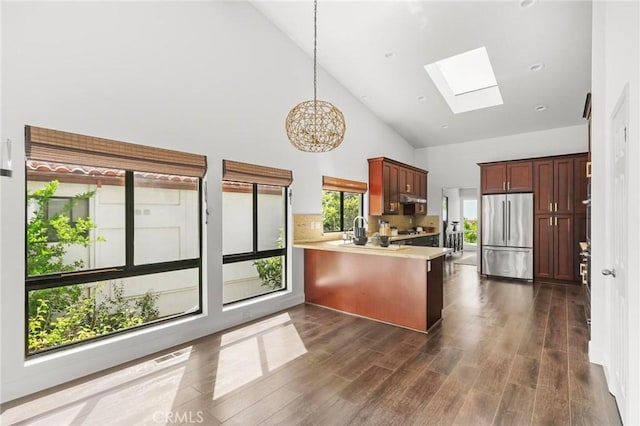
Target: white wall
(456, 165)
(211, 78)
(615, 63)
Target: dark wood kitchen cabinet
(389, 178)
(559, 185)
(510, 176)
(554, 254)
(554, 185)
(408, 181)
(391, 204)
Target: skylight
(466, 81)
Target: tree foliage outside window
(71, 313)
(270, 268)
(339, 209)
(471, 231)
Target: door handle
(550, 221)
(611, 272)
(508, 220)
(556, 220)
(503, 186)
(504, 214)
(508, 185)
(556, 207)
(550, 207)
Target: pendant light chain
(315, 126)
(315, 48)
(315, 72)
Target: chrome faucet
(364, 221)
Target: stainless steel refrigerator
(507, 235)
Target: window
(341, 203)
(127, 246)
(254, 239)
(66, 209)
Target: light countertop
(416, 235)
(407, 252)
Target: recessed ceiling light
(541, 108)
(527, 3)
(444, 126)
(536, 67)
(421, 98)
(364, 97)
(389, 55)
(466, 81)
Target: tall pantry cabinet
(559, 187)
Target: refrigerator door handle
(508, 220)
(504, 210)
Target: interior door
(616, 282)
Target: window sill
(259, 299)
(39, 359)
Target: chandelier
(315, 126)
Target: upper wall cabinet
(387, 180)
(511, 176)
(554, 185)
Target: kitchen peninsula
(399, 285)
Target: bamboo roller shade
(251, 173)
(71, 148)
(337, 184)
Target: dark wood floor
(505, 353)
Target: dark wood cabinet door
(543, 187)
(564, 249)
(493, 178)
(406, 181)
(543, 246)
(387, 207)
(422, 185)
(402, 179)
(581, 182)
(520, 176)
(563, 191)
(392, 199)
(417, 180)
(377, 189)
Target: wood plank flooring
(506, 353)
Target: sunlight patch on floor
(255, 328)
(80, 400)
(252, 351)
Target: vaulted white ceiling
(378, 49)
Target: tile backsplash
(405, 222)
(308, 227)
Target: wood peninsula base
(401, 291)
